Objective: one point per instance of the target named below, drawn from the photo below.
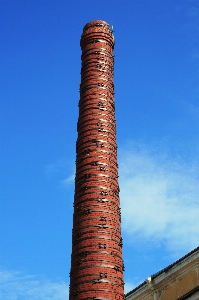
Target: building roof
(164, 270)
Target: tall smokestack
(96, 263)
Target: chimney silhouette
(96, 261)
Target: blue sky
(157, 111)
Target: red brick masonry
(96, 263)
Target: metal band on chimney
(96, 260)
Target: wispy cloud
(69, 180)
(195, 54)
(62, 169)
(159, 199)
(17, 286)
(193, 11)
(129, 286)
(56, 167)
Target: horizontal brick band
(96, 261)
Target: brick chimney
(96, 261)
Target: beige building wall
(179, 281)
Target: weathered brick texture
(96, 263)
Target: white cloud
(18, 286)
(58, 167)
(61, 169)
(69, 180)
(129, 287)
(159, 200)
